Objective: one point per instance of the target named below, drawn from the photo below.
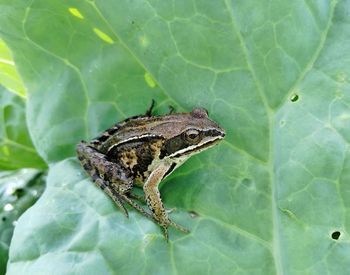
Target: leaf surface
(267, 200)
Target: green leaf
(18, 191)
(270, 199)
(16, 148)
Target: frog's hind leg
(111, 193)
(100, 169)
(120, 198)
(137, 207)
(154, 201)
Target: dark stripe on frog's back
(136, 155)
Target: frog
(141, 151)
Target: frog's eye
(192, 135)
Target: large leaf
(273, 198)
(16, 148)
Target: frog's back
(133, 128)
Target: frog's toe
(170, 210)
(165, 232)
(168, 223)
(179, 227)
(123, 209)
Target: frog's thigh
(95, 162)
(89, 159)
(152, 194)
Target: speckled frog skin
(143, 150)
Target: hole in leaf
(294, 98)
(335, 235)
(3, 219)
(193, 214)
(247, 182)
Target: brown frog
(143, 150)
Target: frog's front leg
(109, 176)
(154, 201)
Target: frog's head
(190, 133)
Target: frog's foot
(108, 189)
(179, 227)
(120, 198)
(117, 199)
(136, 206)
(173, 224)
